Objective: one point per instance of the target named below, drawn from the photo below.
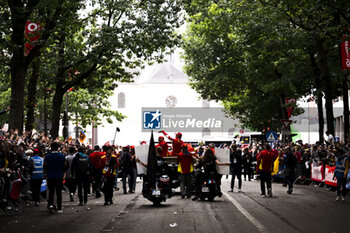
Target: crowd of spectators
(16, 150)
(15, 153)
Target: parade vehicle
(160, 191)
(173, 173)
(208, 186)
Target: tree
(120, 35)
(18, 12)
(326, 22)
(265, 51)
(112, 38)
(247, 66)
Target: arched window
(121, 100)
(205, 103)
(205, 132)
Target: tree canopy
(257, 54)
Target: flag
(275, 166)
(32, 34)
(70, 139)
(82, 136)
(151, 162)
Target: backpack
(82, 166)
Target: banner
(141, 153)
(290, 108)
(223, 155)
(345, 55)
(317, 173)
(32, 34)
(329, 173)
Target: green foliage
(86, 107)
(251, 54)
(89, 45)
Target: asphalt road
(308, 209)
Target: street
(308, 209)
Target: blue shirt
(38, 164)
(54, 162)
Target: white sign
(141, 152)
(223, 155)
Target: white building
(158, 86)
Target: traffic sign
(286, 123)
(271, 136)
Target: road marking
(253, 220)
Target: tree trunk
(319, 103)
(346, 107)
(328, 91)
(56, 110)
(318, 94)
(31, 99)
(287, 138)
(18, 67)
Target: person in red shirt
(185, 168)
(265, 163)
(110, 162)
(94, 160)
(177, 142)
(164, 145)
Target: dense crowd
(27, 160)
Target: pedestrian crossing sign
(271, 136)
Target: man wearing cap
(164, 145)
(37, 174)
(177, 142)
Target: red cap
(161, 137)
(179, 134)
(36, 151)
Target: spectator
(37, 175)
(236, 167)
(94, 159)
(127, 171)
(81, 171)
(341, 173)
(290, 166)
(265, 163)
(109, 171)
(55, 165)
(70, 180)
(247, 161)
(185, 168)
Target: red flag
(345, 55)
(289, 101)
(32, 34)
